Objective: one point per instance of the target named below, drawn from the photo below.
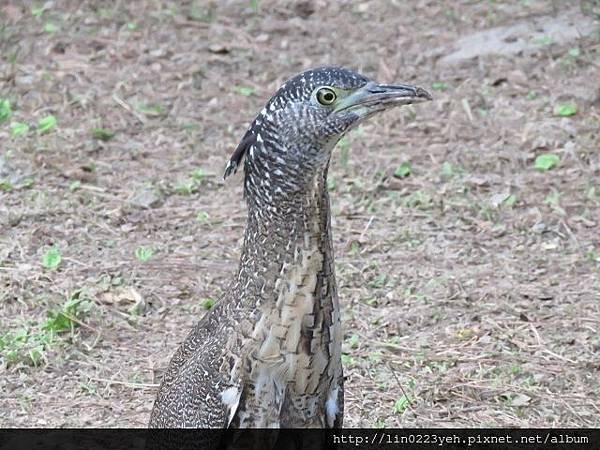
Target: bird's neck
(285, 238)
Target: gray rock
(521, 36)
(147, 197)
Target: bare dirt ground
(470, 287)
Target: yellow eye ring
(326, 96)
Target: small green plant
(203, 217)
(46, 124)
(18, 129)
(379, 423)
(52, 258)
(510, 201)
(403, 170)
(348, 361)
(448, 170)
(532, 95)
(143, 254)
(75, 309)
(543, 40)
(191, 185)
(38, 11)
(380, 281)
(24, 346)
(593, 256)
(208, 303)
(419, 200)
(50, 28)
(553, 198)
(5, 110)
(516, 369)
(102, 134)
(201, 13)
(565, 109)
(401, 404)
(439, 86)
(199, 174)
(186, 187)
(546, 161)
(353, 341)
(6, 186)
(246, 91)
(152, 109)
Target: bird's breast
(294, 344)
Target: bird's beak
(373, 97)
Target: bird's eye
(326, 96)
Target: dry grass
(463, 306)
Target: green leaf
(186, 187)
(574, 52)
(56, 322)
(565, 109)
(202, 217)
(152, 110)
(199, 174)
(348, 361)
(51, 258)
(447, 170)
(353, 341)
(208, 303)
(546, 161)
(50, 28)
(46, 124)
(143, 254)
(5, 110)
(510, 201)
(38, 11)
(244, 90)
(543, 40)
(403, 170)
(18, 129)
(439, 86)
(401, 404)
(6, 186)
(102, 134)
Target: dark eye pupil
(326, 96)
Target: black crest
(236, 159)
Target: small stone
(147, 198)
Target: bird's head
(291, 139)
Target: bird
(268, 354)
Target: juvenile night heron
(269, 353)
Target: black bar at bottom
(343, 439)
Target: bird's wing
(194, 392)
